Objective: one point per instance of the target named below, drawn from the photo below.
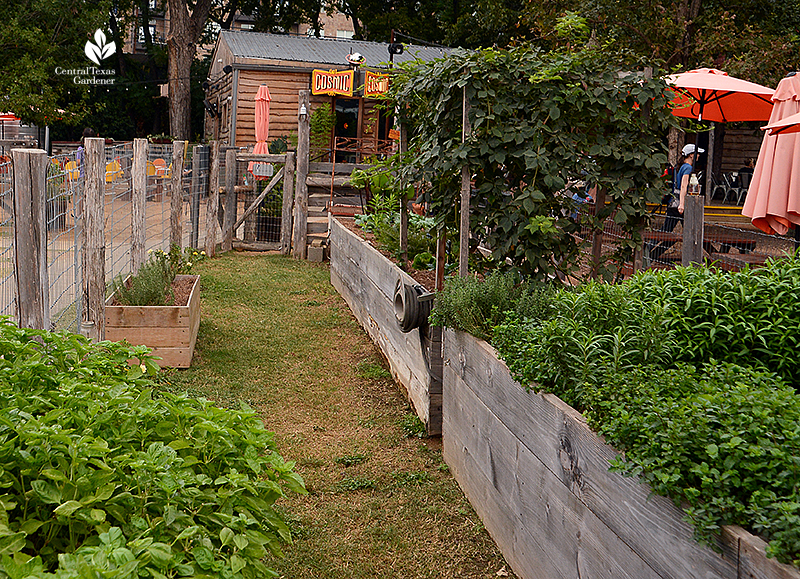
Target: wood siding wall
(539, 479)
(739, 145)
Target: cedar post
(30, 238)
(597, 236)
(212, 204)
(176, 205)
(403, 200)
(198, 152)
(441, 257)
(301, 189)
(94, 244)
(230, 199)
(463, 229)
(139, 205)
(288, 200)
(692, 251)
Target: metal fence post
(300, 238)
(30, 238)
(199, 153)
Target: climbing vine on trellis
(539, 122)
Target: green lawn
(275, 334)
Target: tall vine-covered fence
(73, 222)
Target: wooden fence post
(230, 199)
(692, 250)
(198, 152)
(212, 205)
(176, 204)
(301, 189)
(463, 232)
(30, 238)
(139, 205)
(403, 200)
(94, 243)
(288, 201)
(597, 236)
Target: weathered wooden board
(171, 331)
(366, 280)
(572, 457)
(573, 540)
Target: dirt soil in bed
(424, 277)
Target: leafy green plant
(477, 306)
(103, 478)
(539, 122)
(748, 318)
(351, 459)
(151, 286)
(412, 426)
(352, 484)
(372, 371)
(321, 124)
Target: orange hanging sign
(332, 82)
(375, 84)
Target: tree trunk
(184, 31)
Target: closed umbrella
(708, 94)
(259, 170)
(790, 124)
(773, 200)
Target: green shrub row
(699, 416)
(100, 477)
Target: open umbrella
(708, 94)
(773, 200)
(790, 124)
(260, 170)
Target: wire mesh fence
(729, 242)
(7, 294)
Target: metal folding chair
(744, 185)
(732, 192)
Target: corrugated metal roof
(319, 50)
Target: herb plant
(102, 477)
(151, 286)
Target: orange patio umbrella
(773, 200)
(790, 124)
(708, 94)
(262, 132)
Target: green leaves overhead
(540, 123)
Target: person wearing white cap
(680, 187)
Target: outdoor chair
(744, 185)
(732, 191)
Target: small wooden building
(242, 61)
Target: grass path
(381, 502)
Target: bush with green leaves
(102, 477)
(477, 306)
(720, 436)
(151, 285)
(748, 318)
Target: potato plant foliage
(540, 122)
(102, 477)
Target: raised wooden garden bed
(171, 331)
(367, 281)
(538, 477)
